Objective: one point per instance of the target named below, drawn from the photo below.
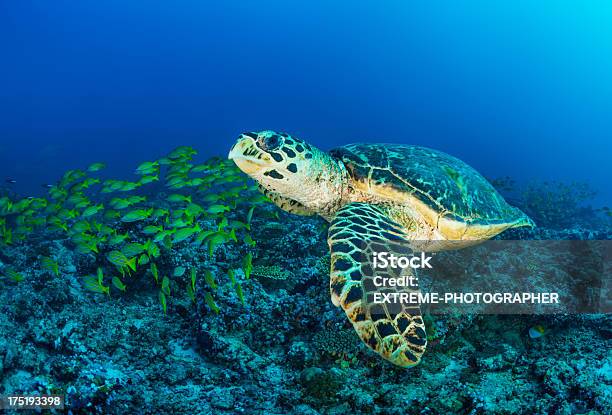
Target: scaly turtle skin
(377, 193)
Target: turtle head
(286, 165)
(269, 154)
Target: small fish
(247, 265)
(78, 238)
(178, 198)
(162, 235)
(119, 203)
(159, 213)
(182, 152)
(191, 293)
(178, 214)
(95, 283)
(148, 179)
(215, 239)
(118, 259)
(14, 275)
(133, 249)
(87, 183)
(95, 167)
(57, 224)
(248, 240)
(176, 182)
(48, 186)
(10, 181)
(215, 209)
(148, 167)
(136, 199)
(7, 236)
(96, 226)
(38, 203)
(198, 181)
(92, 210)
(193, 209)
(128, 186)
(185, 233)
(211, 197)
(71, 176)
(536, 331)
(179, 271)
(66, 214)
(236, 224)
(151, 229)
(210, 279)
(143, 259)
(83, 204)
(231, 178)
(239, 292)
(165, 285)
(57, 193)
(81, 226)
(117, 239)
(77, 198)
(119, 284)
(48, 264)
(259, 199)
(137, 215)
(37, 222)
(230, 194)
(180, 223)
(193, 279)
(105, 230)
(87, 246)
(162, 300)
(22, 205)
(6, 203)
(201, 168)
(154, 272)
(52, 209)
(112, 186)
(211, 302)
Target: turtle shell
(446, 186)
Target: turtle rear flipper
(394, 331)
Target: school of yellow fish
(118, 222)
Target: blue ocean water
(520, 89)
(183, 290)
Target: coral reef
(233, 340)
(552, 204)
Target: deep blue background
(513, 88)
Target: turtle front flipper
(286, 204)
(394, 331)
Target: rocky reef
(257, 334)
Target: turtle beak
(247, 156)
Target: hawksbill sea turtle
(377, 192)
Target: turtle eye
(272, 142)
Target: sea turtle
(376, 192)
